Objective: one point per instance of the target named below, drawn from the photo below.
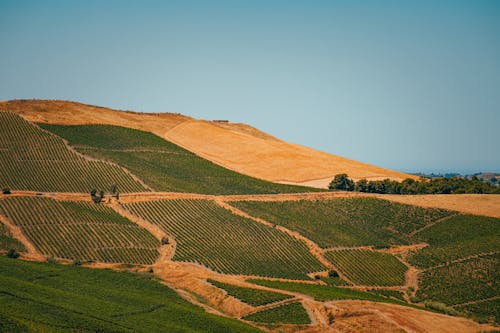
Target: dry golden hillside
(238, 147)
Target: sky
(408, 85)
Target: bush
(13, 254)
(333, 274)
(6, 190)
(77, 262)
(165, 241)
(441, 307)
(342, 182)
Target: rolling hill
(237, 147)
(184, 234)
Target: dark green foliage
(12, 254)
(458, 237)
(293, 313)
(341, 182)
(346, 221)
(453, 185)
(6, 191)
(333, 274)
(389, 294)
(33, 159)
(368, 268)
(461, 282)
(161, 164)
(254, 297)
(7, 242)
(213, 236)
(38, 297)
(80, 230)
(483, 311)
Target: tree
(13, 254)
(361, 186)
(6, 190)
(341, 182)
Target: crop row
(346, 221)
(369, 268)
(81, 231)
(33, 159)
(210, 235)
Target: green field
(7, 242)
(368, 268)
(80, 230)
(254, 297)
(33, 159)
(161, 164)
(346, 221)
(51, 298)
(457, 237)
(324, 293)
(461, 282)
(293, 313)
(211, 235)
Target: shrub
(6, 190)
(441, 307)
(13, 254)
(165, 241)
(77, 262)
(342, 182)
(333, 274)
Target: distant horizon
(409, 87)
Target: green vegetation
(335, 281)
(213, 236)
(324, 293)
(461, 282)
(51, 298)
(397, 295)
(454, 185)
(346, 221)
(7, 242)
(293, 313)
(161, 164)
(458, 237)
(483, 311)
(80, 230)
(251, 296)
(33, 159)
(368, 268)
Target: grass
(40, 297)
(346, 221)
(33, 159)
(293, 313)
(7, 242)
(324, 293)
(80, 230)
(213, 236)
(368, 268)
(462, 282)
(161, 164)
(254, 297)
(457, 237)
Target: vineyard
(33, 159)
(369, 268)
(162, 165)
(293, 313)
(461, 282)
(7, 242)
(212, 236)
(41, 297)
(485, 311)
(346, 221)
(458, 237)
(254, 297)
(83, 231)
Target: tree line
(455, 185)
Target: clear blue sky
(408, 85)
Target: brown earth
(238, 147)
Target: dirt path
(18, 234)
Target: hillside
(237, 147)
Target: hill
(237, 147)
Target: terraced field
(33, 159)
(162, 165)
(293, 313)
(369, 268)
(346, 221)
(7, 242)
(41, 297)
(83, 230)
(255, 297)
(210, 235)
(458, 237)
